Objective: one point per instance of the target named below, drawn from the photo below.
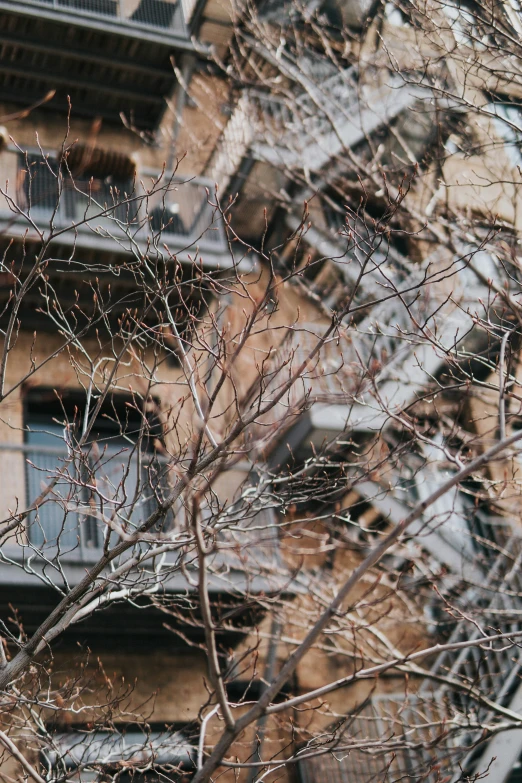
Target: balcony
(141, 16)
(112, 481)
(99, 224)
(87, 213)
(110, 56)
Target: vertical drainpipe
(268, 677)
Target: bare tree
(295, 429)
(398, 126)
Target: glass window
(508, 124)
(115, 476)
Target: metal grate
(164, 15)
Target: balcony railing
(109, 487)
(92, 211)
(154, 15)
(336, 385)
(71, 520)
(84, 753)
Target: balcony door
(55, 522)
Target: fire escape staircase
(479, 551)
(433, 735)
(324, 120)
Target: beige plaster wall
(163, 687)
(200, 126)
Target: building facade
(258, 300)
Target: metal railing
(387, 341)
(233, 144)
(309, 116)
(385, 338)
(149, 209)
(85, 752)
(429, 735)
(389, 721)
(108, 484)
(182, 209)
(105, 483)
(159, 15)
(262, 119)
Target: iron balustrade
(159, 15)
(393, 341)
(268, 122)
(149, 209)
(100, 486)
(107, 483)
(309, 116)
(184, 210)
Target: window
(114, 478)
(508, 124)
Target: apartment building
(117, 122)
